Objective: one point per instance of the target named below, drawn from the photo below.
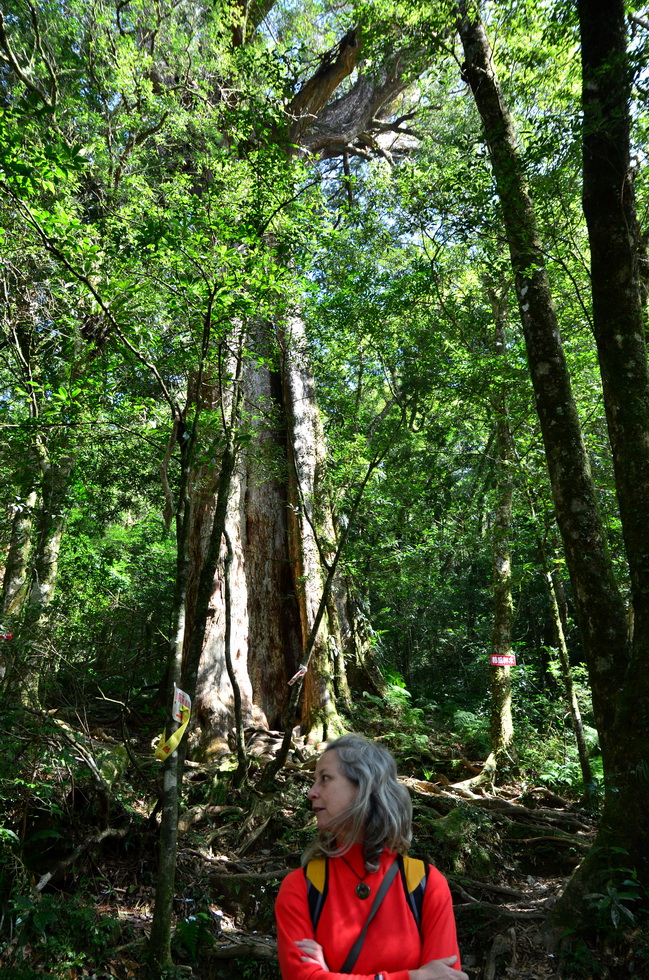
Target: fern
(193, 932)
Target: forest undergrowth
(79, 839)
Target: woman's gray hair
(381, 812)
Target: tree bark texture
(20, 546)
(502, 726)
(311, 536)
(599, 607)
(618, 320)
(276, 579)
(16, 580)
(205, 674)
(56, 466)
(51, 524)
(566, 674)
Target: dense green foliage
(125, 246)
(151, 202)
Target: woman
(364, 818)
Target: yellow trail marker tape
(168, 745)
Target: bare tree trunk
(276, 764)
(214, 702)
(599, 607)
(216, 550)
(16, 578)
(618, 675)
(36, 662)
(502, 726)
(566, 675)
(311, 533)
(277, 521)
(264, 613)
(20, 547)
(242, 762)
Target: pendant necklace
(362, 888)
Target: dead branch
(496, 889)
(201, 814)
(9, 57)
(71, 858)
(251, 877)
(262, 949)
(72, 738)
(582, 845)
(513, 810)
(497, 910)
(335, 66)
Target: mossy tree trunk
(18, 554)
(619, 328)
(566, 676)
(16, 578)
(190, 623)
(599, 607)
(618, 674)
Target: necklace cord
(362, 888)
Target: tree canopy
(323, 383)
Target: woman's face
(332, 792)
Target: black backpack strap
(414, 875)
(317, 883)
(354, 952)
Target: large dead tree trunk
(278, 520)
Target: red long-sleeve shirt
(393, 945)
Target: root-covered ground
(79, 863)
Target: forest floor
(506, 853)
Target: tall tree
(619, 323)
(600, 610)
(502, 728)
(277, 525)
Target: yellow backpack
(413, 877)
